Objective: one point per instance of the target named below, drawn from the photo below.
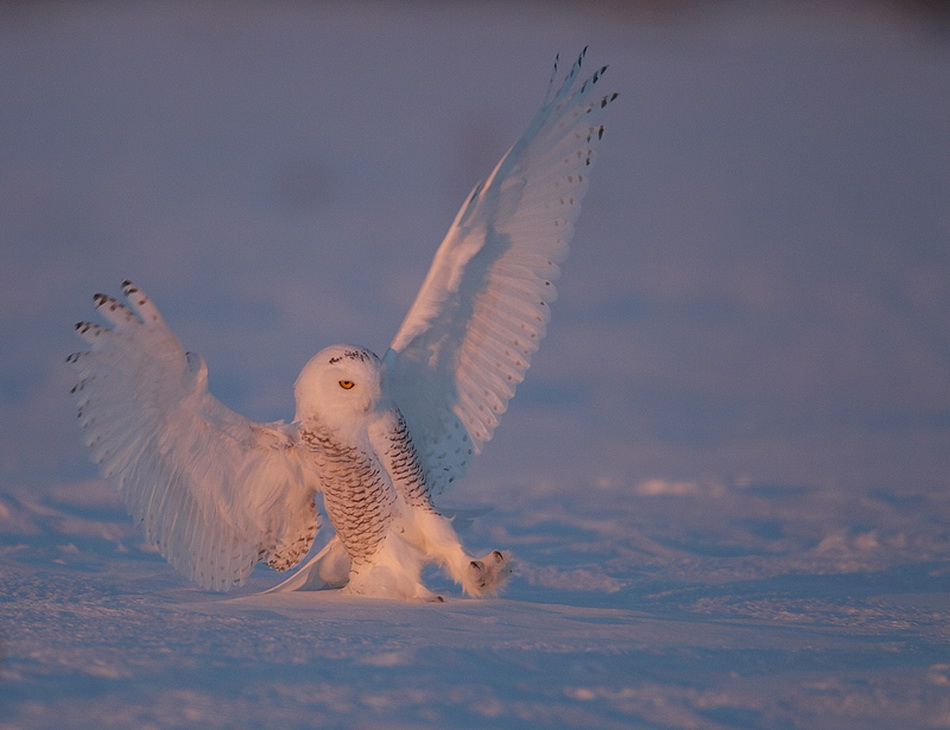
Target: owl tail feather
(330, 568)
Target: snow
(725, 479)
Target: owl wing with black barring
(216, 492)
(484, 306)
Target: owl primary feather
(379, 438)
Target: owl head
(338, 383)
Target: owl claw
(488, 574)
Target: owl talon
(488, 574)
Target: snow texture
(724, 480)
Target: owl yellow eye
(346, 384)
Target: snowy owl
(379, 438)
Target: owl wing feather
(483, 308)
(215, 491)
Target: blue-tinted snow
(725, 479)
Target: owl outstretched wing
(215, 492)
(482, 311)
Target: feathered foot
(487, 575)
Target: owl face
(339, 382)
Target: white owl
(379, 438)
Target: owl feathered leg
(393, 572)
(438, 541)
(395, 569)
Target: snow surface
(725, 478)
